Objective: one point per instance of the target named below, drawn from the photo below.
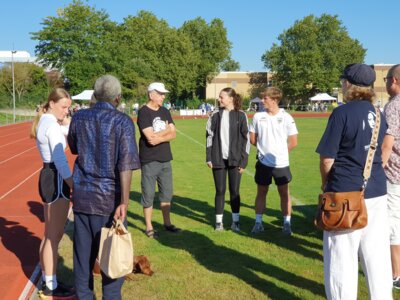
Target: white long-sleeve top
(50, 140)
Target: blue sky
(253, 26)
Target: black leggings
(220, 187)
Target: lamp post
(13, 81)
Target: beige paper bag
(116, 251)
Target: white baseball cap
(157, 86)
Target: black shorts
(264, 175)
(51, 184)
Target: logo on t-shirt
(158, 124)
(371, 120)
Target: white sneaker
(287, 230)
(219, 227)
(258, 227)
(235, 227)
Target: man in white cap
(157, 129)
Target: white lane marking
(16, 155)
(14, 132)
(14, 142)
(32, 280)
(190, 138)
(21, 183)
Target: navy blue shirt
(104, 140)
(346, 139)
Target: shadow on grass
(220, 259)
(189, 208)
(225, 260)
(202, 212)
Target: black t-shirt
(156, 119)
(346, 139)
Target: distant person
(203, 108)
(227, 153)
(391, 161)
(157, 129)
(136, 108)
(274, 133)
(104, 140)
(343, 152)
(49, 129)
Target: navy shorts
(51, 184)
(264, 175)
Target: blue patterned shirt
(104, 140)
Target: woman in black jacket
(227, 152)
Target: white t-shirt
(50, 140)
(272, 134)
(225, 134)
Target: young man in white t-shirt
(274, 133)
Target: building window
(234, 84)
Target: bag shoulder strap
(372, 147)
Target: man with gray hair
(391, 161)
(104, 140)
(157, 129)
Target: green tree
(83, 43)
(29, 81)
(74, 42)
(211, 45)
(150, 50)
(230, 65)
(311, 56)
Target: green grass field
(202, 264)
(8, 118)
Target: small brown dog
(140, 265)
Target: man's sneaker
(257, 228)
(219, 227)
(235, 227)
(287, 230)
(60, 292)
(396, 283)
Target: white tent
(322, 97)
(255, 100)
(85, 95)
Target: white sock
(218, 218)
(259, 218)
(286, 219)
(51, 282)
(235, 217)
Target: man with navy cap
(343, 151)
(157, 129)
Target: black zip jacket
(239, 142)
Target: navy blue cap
(359, 74)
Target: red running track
(21, 211)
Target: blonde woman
(49, 129)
